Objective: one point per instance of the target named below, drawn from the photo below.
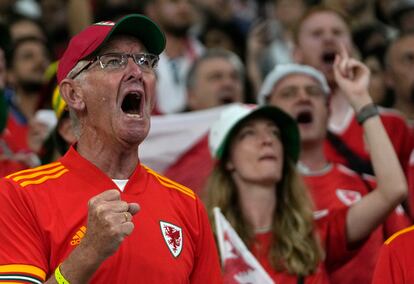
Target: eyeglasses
(146, 61)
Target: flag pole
(219, 232)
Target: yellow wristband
(59, 277)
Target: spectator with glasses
(97, 215)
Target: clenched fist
(109, 222)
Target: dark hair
(5, 40)
(230, 28)
(362, 35)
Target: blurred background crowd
(218, 52)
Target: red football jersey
(338, 187)
(352, 135)
(331, 228)
(410, 179)
(395, 263)
(44, 217)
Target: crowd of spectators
(218, 52)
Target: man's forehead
(216, 63)
(323, 19)
(122, 41)
(296, 79)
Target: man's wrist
(60, 279)
(366, 112)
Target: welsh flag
(177, 146)
(239, 265)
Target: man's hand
(352, 77)
(109, 222)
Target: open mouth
(304, 117)
(132, 104)
(328, 57)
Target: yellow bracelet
(59, 277)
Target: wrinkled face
(217, 82)
(302, 97)
(29, 63)
(175, 16)
(318, 41)
(256, 153)
(400, 68)
(118, 102)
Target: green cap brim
(143, 28)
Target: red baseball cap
(93, 37)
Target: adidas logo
(76, 239)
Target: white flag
(239, 265)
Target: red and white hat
(88, 41)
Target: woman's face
(256, 153)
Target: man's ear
(71, 94)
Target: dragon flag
(239, 265)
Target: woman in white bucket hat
(257, 188)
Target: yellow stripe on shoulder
(39, 174)
(44, 178)
(23, 268)
(28, 171)
(401, 232)
(171, 184)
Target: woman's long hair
(295, 246)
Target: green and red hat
(88, 41)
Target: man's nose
(133, 69)
(329, 37)
(303, 94)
